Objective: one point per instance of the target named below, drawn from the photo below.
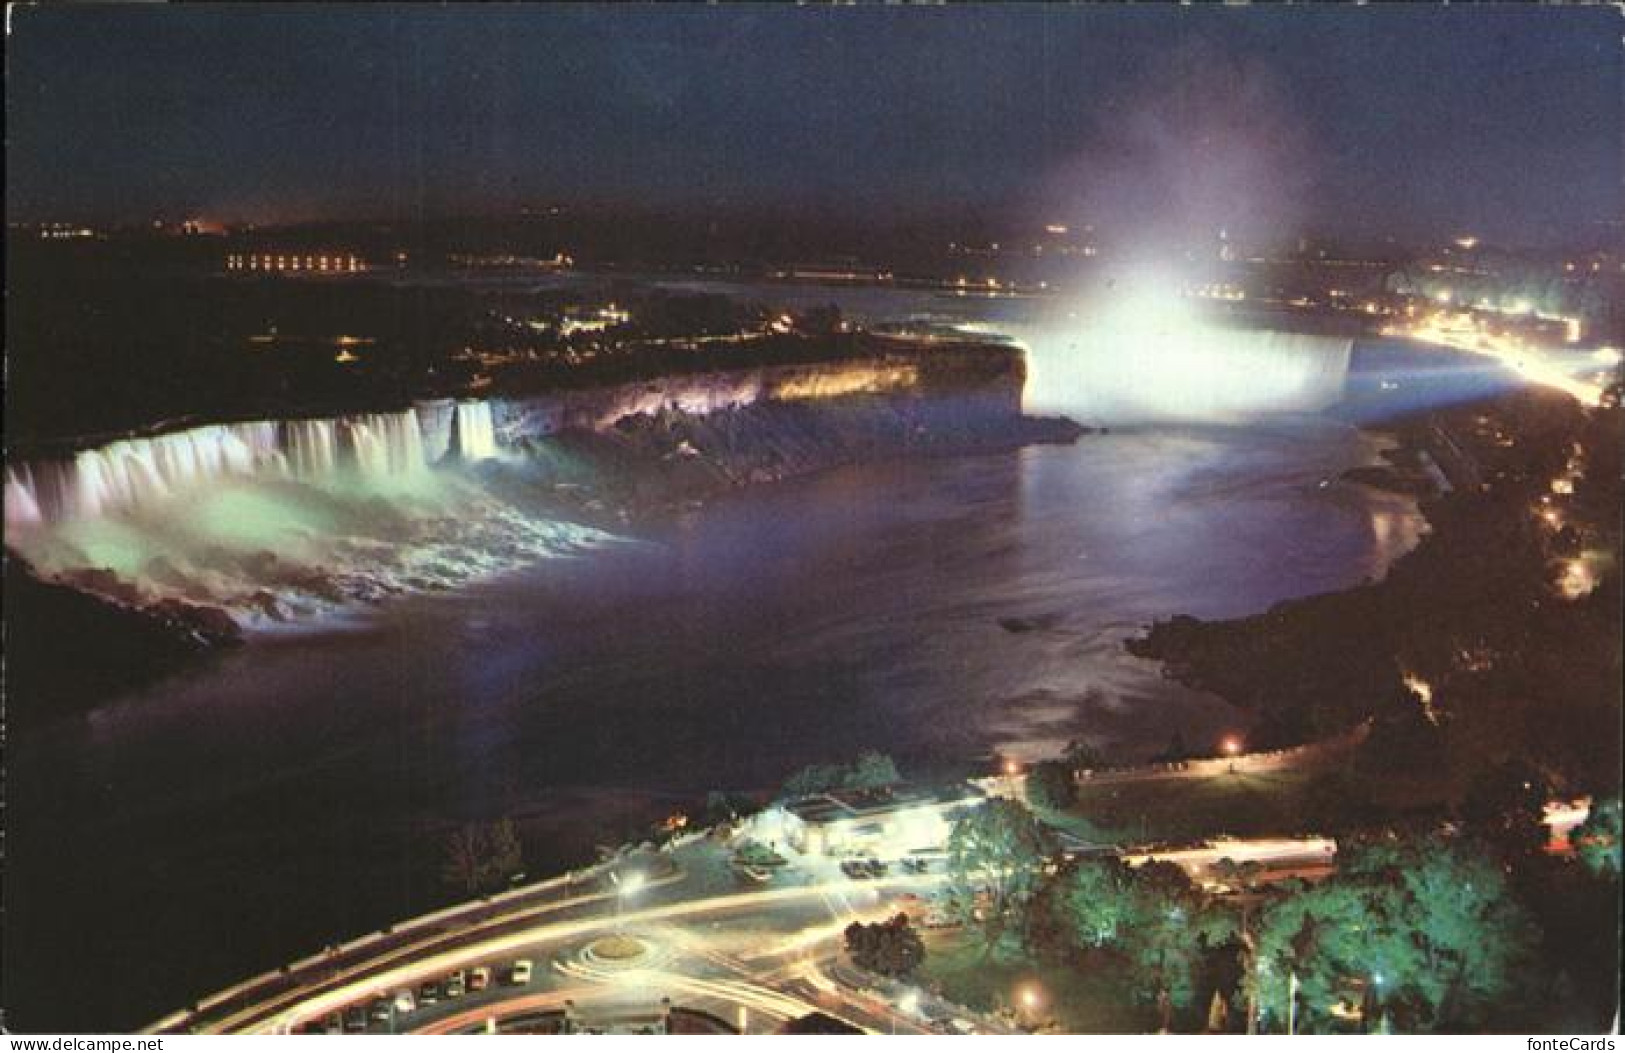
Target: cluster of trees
(889, 948)
(482, 857)
(1417, 932)
(998, 855)
(1052, 784)
(870, 771)
(1596, 841)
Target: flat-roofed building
(889, 820)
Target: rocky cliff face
(619, 453)
(985, 380)
(440, 497)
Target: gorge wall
(281, 521)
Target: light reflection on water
(311, 776)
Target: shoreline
(1308, 666)
(643, 467)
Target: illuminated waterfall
(436, 417)
(312, 448)
(281, 521)
(385, 445)
(133, 473)
(141, 474)
(476, 437)
(1156, 363)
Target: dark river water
(295, 792)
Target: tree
(890, 948)
(1098, 901)
(1163, 937)
(813, 779)
(1050, 785)
(1150, 916)
(1596, 841)
(482, 858)
(870, 772)
(1423, 932)
(996, 858)
(723, 807)
(1081, 756)
(1176, 751)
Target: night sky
(1502, 122)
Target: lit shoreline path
(706, 937)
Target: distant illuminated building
(295, 262)
(64, 231)
(891, 819)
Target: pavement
(754, 954)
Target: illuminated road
(752, 954)
(1547, 367)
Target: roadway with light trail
(746, 952)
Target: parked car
(404, 1002)
(521, 972)
(355, 1020)
(428, 993)
(456, 984)
(333, 1023)
(479, 978)
(378, 1012)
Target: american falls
(281, 520)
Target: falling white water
(385, 446)
(312, 448)
(280, 520)
(1147, 357)
(476, 432)
(435, 418)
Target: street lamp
(908, 1003)
(1376, 999)
(624, 889)
(1030, 997)
(1232, 749)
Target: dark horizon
(1352, 123)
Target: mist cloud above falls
(1200, 141)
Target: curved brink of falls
(278, 520)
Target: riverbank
(1471, 643)
(620, 459)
